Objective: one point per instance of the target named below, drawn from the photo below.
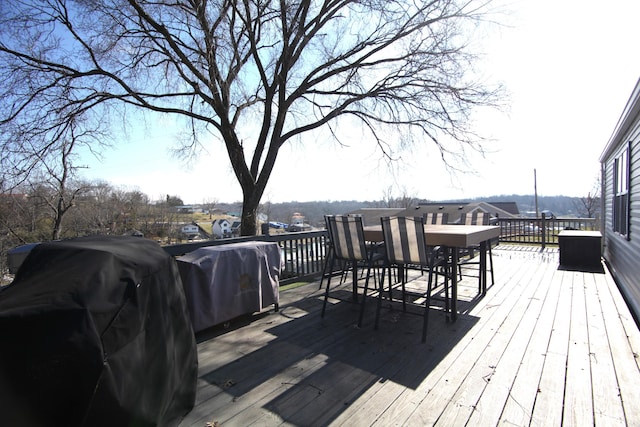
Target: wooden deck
(544, 347)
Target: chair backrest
(475, 218)
(347, 237)
(437, 218)
(404, 240)
(327, 226)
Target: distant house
(195, 231)
(221, 228)
(190, 229)
(186, 209)
(235, 228)
(620, 179)
(509, 207)
(298, 223)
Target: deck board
(518, 407)
(500, 384)
(549, 401)
(544, 347)
(624, 345)
(578, 408)
(607, 409)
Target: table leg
(453, 255)
(483, 268)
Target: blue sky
(570, 67)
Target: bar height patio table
(450, 238)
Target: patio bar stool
(466, 256)
(405, 245)
(348, 245)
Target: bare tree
(17, 224)
(99, 211)
(405, 200)
(388, 200)
(589, 206)
(210, 204)
(55, 182)
(257, 74)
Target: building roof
(626, 121)
(455, 210)
(371, 216)
(510, 207)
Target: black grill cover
(95, 332)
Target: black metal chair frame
(405, 245)
(467, 255)
(326, 273)
(348, 245)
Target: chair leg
(491, 265)
(443, 271)
(354, 286)
(364, 295)
(447, 306)
(404, 293)
(392, 282)
(344, 271)
(425, 322)
(326, 265)
(404, 277)
(380, 292)
(326, 292)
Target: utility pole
(535, 190)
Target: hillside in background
(315, 211)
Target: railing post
(544, 230)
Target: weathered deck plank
(522, 396)
(578, 402)
(499, 386)
(543, 347)
(624, 345)
(465, 378)
(466, 362)
(607, 409)
(549, 401)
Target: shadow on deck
(492, 365)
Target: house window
(621, 193)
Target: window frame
(620, 220)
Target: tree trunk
(55, 235)
(58, 213)
(249, 220)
